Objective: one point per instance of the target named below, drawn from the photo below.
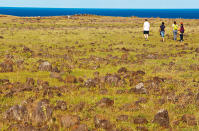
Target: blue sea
(162, 13)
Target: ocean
(162, 13)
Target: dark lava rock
(197, 50)
(68, 121)
(80, 127)
(101, 122)
(189, 119)
(122, 118)
(42, 112)
(6, 66)
(79, 107)
(112, 80)
(139, 72)
(17, 112)
(140, 120)
(61, 105)
(122, 70)
(105, 102)
(45, 66)
(71, 79)
(162, 118)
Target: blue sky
(102, 3)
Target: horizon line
(90, 8)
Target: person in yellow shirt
(175, 30)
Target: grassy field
(80, 52)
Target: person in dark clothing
(162, 31)
(181, 30)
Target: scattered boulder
(45, 66)
(91, 83)
(105, 102)
(102, 122)
(162, 118)
(139, 89)
(61, 105)
(42, 111)
(197, 50)
(68, 121)
(17, 113)
(189, 119)
(112, 80)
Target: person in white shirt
(146, 29)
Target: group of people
(176, 30)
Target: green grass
(57, 36)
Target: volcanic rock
(105, 102)
(162, 118)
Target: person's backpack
(182, 29)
